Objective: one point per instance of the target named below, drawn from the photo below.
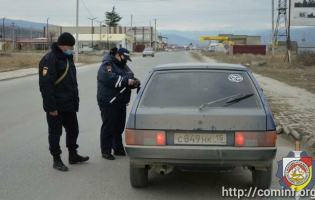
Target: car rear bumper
(191, 155)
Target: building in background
(243, 39)
(102, 41)
(144, 35)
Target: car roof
(183, 66)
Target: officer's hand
(136, 84)
(130, 81)
(54, 113)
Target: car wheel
(138, 176)
(262, 179)
(152, 55)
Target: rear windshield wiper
(212, 102)
(232, 99)
(239, 97)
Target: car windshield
(148, 49)
(195, 88)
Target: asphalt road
(26, 166)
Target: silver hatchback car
(200, 117)
(148, 51)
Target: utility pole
(18, 34)
(107, 37)
(92, 31)
(101, 31)
(155, 37)
(13, 36)
(107, 46)
(77, 34)
(288, 38)
(47, 31)
(131, 36)
(273, 27)
(150, 34)
(3, 32)
(31, 32)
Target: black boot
(58, 164)
(75, 158)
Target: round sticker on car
(235, 78)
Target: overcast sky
(207, 15)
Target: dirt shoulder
(16, 61)
(294, 74)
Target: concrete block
(305, 138)
(311, 142)
(287, 129)
(296, 135)
(279, 130)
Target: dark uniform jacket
(112, 77)
(64, 96)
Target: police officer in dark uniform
(114, 83)
(59, 89)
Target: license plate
(202, 139)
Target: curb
(15, 77)
(4, 76)
(288, 130)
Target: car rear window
(148, 49)
(194, 88)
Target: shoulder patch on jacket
(109, 69)
(45, 71)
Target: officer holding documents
(59, 89)
(114, 83)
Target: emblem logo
(109, 69)
(296, 171)
(45, 70)
(235, 78)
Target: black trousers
(114, 119)
(55, 123)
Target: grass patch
(16, 61)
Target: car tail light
(145, 137)
(255, 139)
(239, 139)
(160, 139)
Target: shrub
(307, 58)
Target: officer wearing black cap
(59, 88)
(114, 83)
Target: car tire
(152, 55)
(262, 179)
(138, 176)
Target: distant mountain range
(25, 29)
(25, 24)
(170, 36)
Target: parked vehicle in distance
(148, 51)
(200, 117)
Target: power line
(86, 8)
